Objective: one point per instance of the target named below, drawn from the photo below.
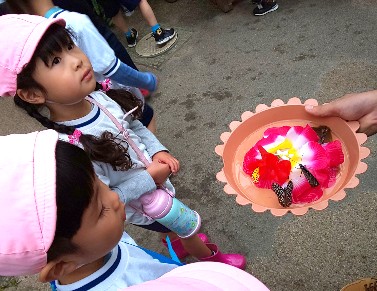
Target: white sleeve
(91, 42)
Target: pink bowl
(246, 133)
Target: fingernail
(309, 107)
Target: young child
(85, 7)
(50, 77)
(114, 10)
(86, 36)
(59, 220)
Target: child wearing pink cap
(59, 220)
(103, 59)
(50, 77)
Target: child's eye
(56, 60)
(70, 46)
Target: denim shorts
(131, 5)
(111, 8)
(147, 115)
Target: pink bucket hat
(27, 201)
(209, 276)
(20, 35)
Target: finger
(371, 130)
(178, 166)
(329, 109)
(173, 166)
(367, 127)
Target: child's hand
(159, 171)
(166, 158)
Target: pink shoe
(178, 247)
(235, 260)
(145, 93)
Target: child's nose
(76, 62)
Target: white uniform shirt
(126, 266)
(133, 183)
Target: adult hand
(361, 107)
(159, 172)
(166, 158)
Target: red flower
(266, 168)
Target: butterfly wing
(284, 196)
(309, 176)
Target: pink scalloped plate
(244, 134)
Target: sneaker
(131, 40)
(162, 36)
(367, 284)
(264, 7)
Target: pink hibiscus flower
(284, 151)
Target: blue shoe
(131, 40)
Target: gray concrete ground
(225, 64)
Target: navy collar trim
(90, 120)
(104, 276)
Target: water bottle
(171, 213)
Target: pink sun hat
(209, 276)
(27, 201)
(20, 35)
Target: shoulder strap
(121, 128)
(126, 136)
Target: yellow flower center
(286, 151)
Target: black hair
(75, 179)
(104, 148)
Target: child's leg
(193, 245)
(147, 12)
(152, 126)
(148, 118)
(120, 21)
(160, 35)
(204, 251)
(196, 247)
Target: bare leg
(193, 245)
(147, 12)
(196, 247)
(152, 126)
(120, 22)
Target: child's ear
(55, 270)
(32, 96)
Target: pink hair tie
(75, 137)
(106, 85)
